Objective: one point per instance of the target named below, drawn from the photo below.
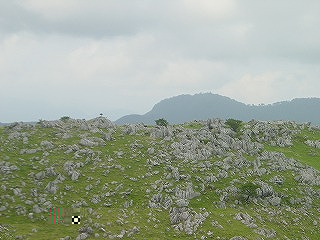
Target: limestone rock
(87, 143)
(51, 188)
(246, 219)
(3, 208)
(75, 175)
(40, 175)
(36, 209)
(266, 233)
(82, 236)
(315, 144)
(46, 144)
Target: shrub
(247, 191)
(162, 122)
(64, 118)
(234, 124)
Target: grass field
(125, 169)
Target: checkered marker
(75, 219)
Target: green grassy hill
(198, 180)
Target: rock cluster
(246, 219)
(315, 144)
(183, 219)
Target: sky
(80, 58)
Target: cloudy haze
(80, 57)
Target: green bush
(64, 118)
(247, 191)
(162, 122)
(234, 124)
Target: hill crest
(184, 108)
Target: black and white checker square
(75, 219)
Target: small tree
(64, 118)
(162, 122)
(234, 124)
(247, 191)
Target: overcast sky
(82, 57)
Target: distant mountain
(203, 106)
(6, 124)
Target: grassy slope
(300, 151)
(153, 223)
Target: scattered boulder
(36, 209)
(46, 144)
(3, 208)
(87, 143)
(51, 188)
(266, 233)
(246, 219)
(238, 238)
(82, 236)
(40, 175)
(314, 144)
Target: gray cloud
(81, 57)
